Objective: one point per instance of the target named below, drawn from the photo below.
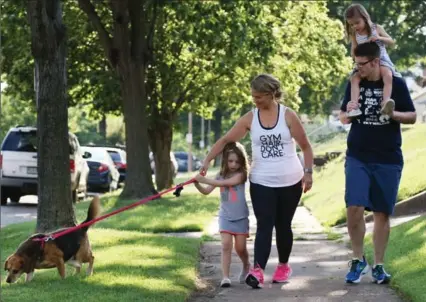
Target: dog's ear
(5, 263)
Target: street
(25, 210)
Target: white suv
(18, 165)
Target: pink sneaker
(282, 273)
(255, 277)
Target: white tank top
(274, 159)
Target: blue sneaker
(357, 269)
(379, 275)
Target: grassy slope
(405, 258)
(326, 199)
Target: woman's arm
(299, 134)
(237, 132)
(384, 36)
(229, 182)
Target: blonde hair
(241, 153)
(353, 11)
(267, 83)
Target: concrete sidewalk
(319, 267)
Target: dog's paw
(89, 271)
(74, 263)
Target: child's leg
(241, 249)
(226, 253)
(386, 74)
(355, 80)
(387, 105)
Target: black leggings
(274, 207)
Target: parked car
(119, 158)
(103, 174)
(172, 160)
(18, 165)
(182, 160)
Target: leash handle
(177, 188)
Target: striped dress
(384, 56)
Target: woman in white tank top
(277, 177)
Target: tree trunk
(48, 42)
(103, 128)
(217, 130)
(138, 175)
(160, 140)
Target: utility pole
(209, 129)
(189, 141)
(202, 141)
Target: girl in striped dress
(360, 29)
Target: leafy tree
(125, 38)
(235, 43)
(201, 52)
(15, 112)
(311, 59)
(48, 41)
(198, 56)
(403, 20)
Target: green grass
(326, 199)
(405, 258)
(336, 144)
(189, 212)
(130, 265)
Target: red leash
(177, 189)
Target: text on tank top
(274, 159)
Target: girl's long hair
(241, 153)
(357, 10)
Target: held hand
(346, 120)
(373, 39)
(307, 182)
(352, 105)
(204, 168)
(200, 178)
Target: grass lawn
(130, 264)
(405, 258)
(326, 199)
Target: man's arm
(404, 117)
(405, 112)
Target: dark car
(119, 158)
(103, 174)
(182, 160)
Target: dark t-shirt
(375, 138)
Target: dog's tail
(93, 212)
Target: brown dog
(72, 248)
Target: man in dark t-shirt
(373, 159)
